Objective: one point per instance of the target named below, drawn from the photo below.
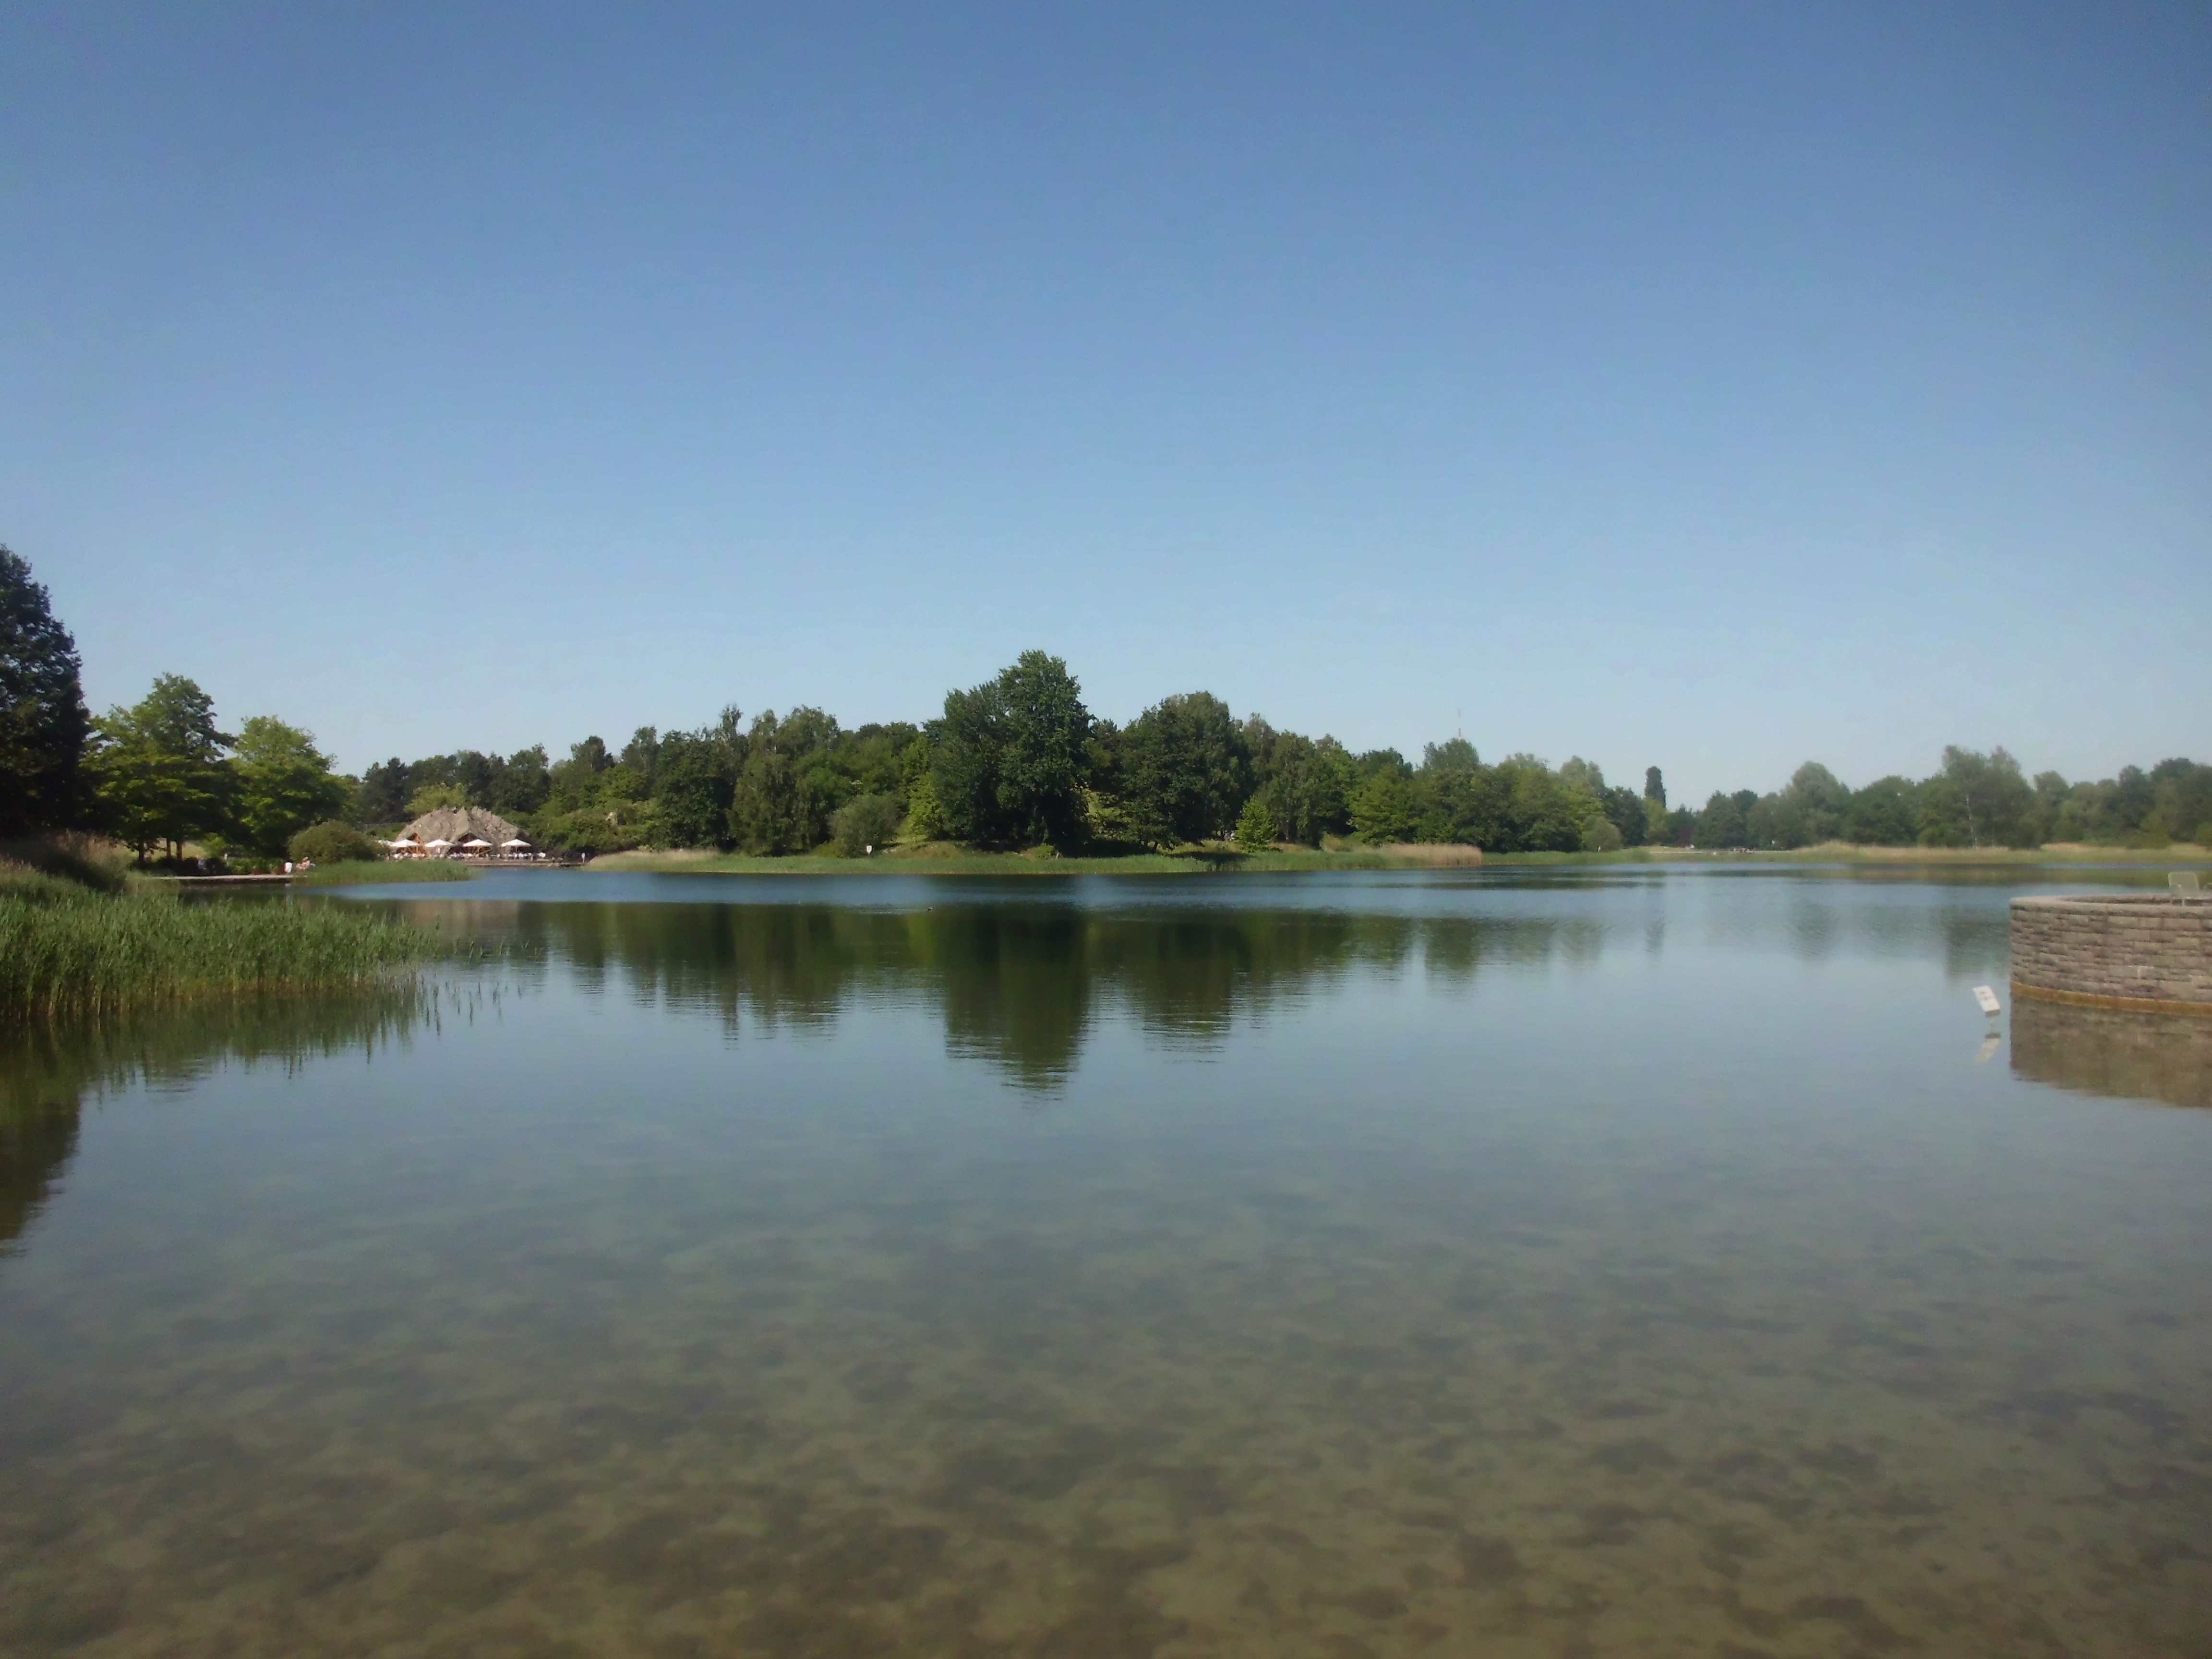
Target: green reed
(66, 951)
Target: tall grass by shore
(67, 952)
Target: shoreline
(689, 861)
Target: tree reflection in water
(1019, 985)
(47, 1074)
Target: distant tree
(1187, 769)
(1255, 826)
(436, 798)
(925, 813)
(157, 769)
(641, 756)
(1386, 806)
(1817, 803)
(865, 821)
(1306, 786)
(383, 794)
(1775, 820)
(787, 789)
(523, 783)
(1655, 787)
(44, 726)
(1009, 761)
(1988, 793)
(2181, 798)
(1724, 821)
(1624, 810)
(694, 788)
(284, 785)
(573, 783)
(1460, 800)
(1885, 813)
(1586, 775)
(1601, 836)
(1453, 757)
(1543, 812)
(2132, 798)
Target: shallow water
(1613, 1262)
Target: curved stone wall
(2137, 950)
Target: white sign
(1987, 998)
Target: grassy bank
(941, 858)
(383, 872)
(67, 952)
(2178, 852)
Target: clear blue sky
(1709, 386)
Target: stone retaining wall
(2131, 951)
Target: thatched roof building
(456, 825)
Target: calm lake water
(1615, 1262)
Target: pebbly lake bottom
(1611, 1263)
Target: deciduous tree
(43, 723)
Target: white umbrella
(517, 841)
(439, 841)
(474, 840)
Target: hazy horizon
(1715, 389)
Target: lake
(1629, 1260)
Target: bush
(1601, 836)
(332, 842)
(864, 822)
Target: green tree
(1655, 787)
(784, 795)
(1988, 794)
(522, 783)
(43, 723)
(1624, 810)
(925, 813)
(2181, 798)
(1724, 822)
(1817, 802)
(1386, 807)
(1009, 762)
(157, 769)
(1255, 826)
(866, 822)
(695, 784)
(1187, 769)
(1586, 775)
(284, 785)
(382, 795)
(1305, 786)
(436, 798)
(1885, 813)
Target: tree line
(1017, 762)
